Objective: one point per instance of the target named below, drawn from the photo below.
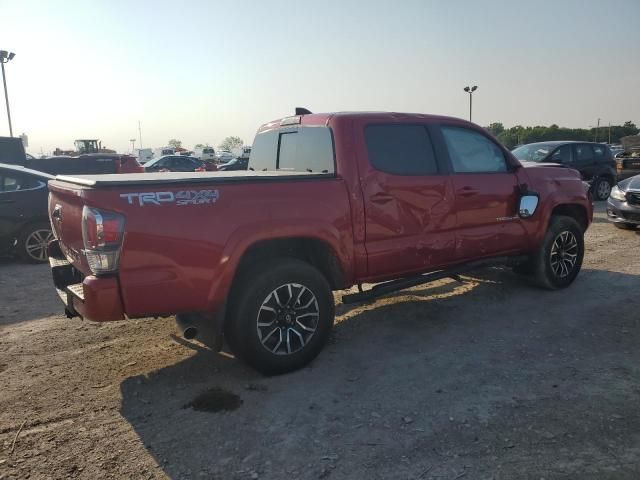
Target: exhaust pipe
(187, 325)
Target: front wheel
(558, 261)
(280, 316)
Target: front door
(486, 195)
(408, 201)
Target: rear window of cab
(298, 149)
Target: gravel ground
(492, 378)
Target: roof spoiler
(302, 111)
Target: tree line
(228, 143)
(519, 135)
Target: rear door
(605, 165)
(585, 161)
(182, 164)
(486, 195)
(408, 200)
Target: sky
(201, 70)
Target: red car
(329, 201)
(178, 163)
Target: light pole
(4, 58)
(470, 91)
(595, 137)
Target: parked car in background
(92, 163)
(163, 151)
(12, 152)
(627, 164)
(234, 164)
(24, 223)
(224, 156)
(205, 153)
(178, 163)
(143, 155)
(615, 149)
(594, 161)
(246, 152)
(623, 206)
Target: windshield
(535, 152)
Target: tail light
(102, 234)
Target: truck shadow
(418, 374)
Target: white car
(205, 153)
(224, 156)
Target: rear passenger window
(265, 151)
(401, 149)
(10, 184)
(305, 149)
(584, 153)
(288, 150)
(472, 152)
(599, 152)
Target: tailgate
(65, 212)
(628, 166)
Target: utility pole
(140, 133)
(4, 58)
(470, 91)
(595, 137)
(609, 142)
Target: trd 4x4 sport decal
(183, 197)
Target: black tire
(254, 303)
(602, 188)
(625, 226)
(548, 274)
(32, 242)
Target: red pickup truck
(329, 201)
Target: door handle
(381, 198)
(467, 192)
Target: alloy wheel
(36, 244)
(604, 189)
(564, 254)
(287, 319)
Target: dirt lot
(488, 379)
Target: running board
(403, 283)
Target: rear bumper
(622, 212)
(90, 297)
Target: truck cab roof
(323, 119)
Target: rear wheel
(557, 262)
(602, 188)
(280, 316)
(33, 242)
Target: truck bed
(167, 178)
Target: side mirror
(528, 205)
